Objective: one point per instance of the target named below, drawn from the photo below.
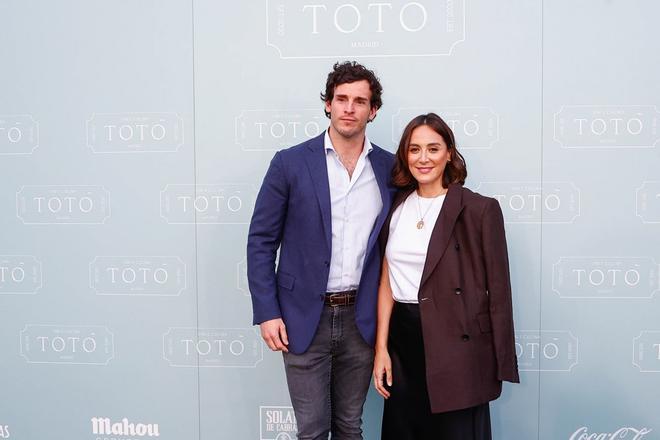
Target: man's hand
(274, 333)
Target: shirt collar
(327, 144)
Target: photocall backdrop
(134, 136)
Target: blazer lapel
(318, 169)
(442, 230)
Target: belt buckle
(338, 297)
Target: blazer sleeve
(264, 239)
(499, 291)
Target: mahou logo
(626, 433)
(105, 426)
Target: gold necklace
(420, 223)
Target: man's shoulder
(382, 153)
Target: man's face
(350, 109)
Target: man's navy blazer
(292, 213)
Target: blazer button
(327, 263)
(458, 291)
(465, 337)
(457, 247)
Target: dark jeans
(328, 383)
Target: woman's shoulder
(474, 200)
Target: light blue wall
(135, 134)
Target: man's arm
(264, 239)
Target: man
(323, 203)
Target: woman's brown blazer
(465, 302)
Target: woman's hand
(382, 367)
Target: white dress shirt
(407, 246)
(355, 202)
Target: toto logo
(626, 433)
(547, 350)
(134, 132)
(607, 126)
(531, 202)
(605, 277)
(270, 130)
(474, 127)
(67, 344)
(212, 347)
(207, 203)
(153, 275)
(646, 351)
(19, 134)
(277, 423)
(342, 29)
(63, 204)
(20, 274)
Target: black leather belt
(345, 298)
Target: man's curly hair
(348, 72)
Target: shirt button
(458, 291)
(457, 247)
(465, 337)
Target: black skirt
(407, 414)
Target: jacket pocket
(285, 280)
(484, 322)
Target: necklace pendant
(420, 224)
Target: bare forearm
(385, 305)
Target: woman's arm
(382, 361)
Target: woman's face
(427, 155)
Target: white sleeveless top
(407, 245)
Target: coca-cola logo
(626, 433)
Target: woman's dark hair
(348, 72)
(455, 171)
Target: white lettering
(216, 347)
(129, 275)
(59, 344)
(16, 274)
(104, 426)
(17, 134)
(347, 25)
(358, 18)
(620, 434)
(136, 132)
(597, 277)
(530, 350)
(315, 29)
(424, 15)
(380, 13)
(67, 204)
(601, 126)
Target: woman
(445, 338)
